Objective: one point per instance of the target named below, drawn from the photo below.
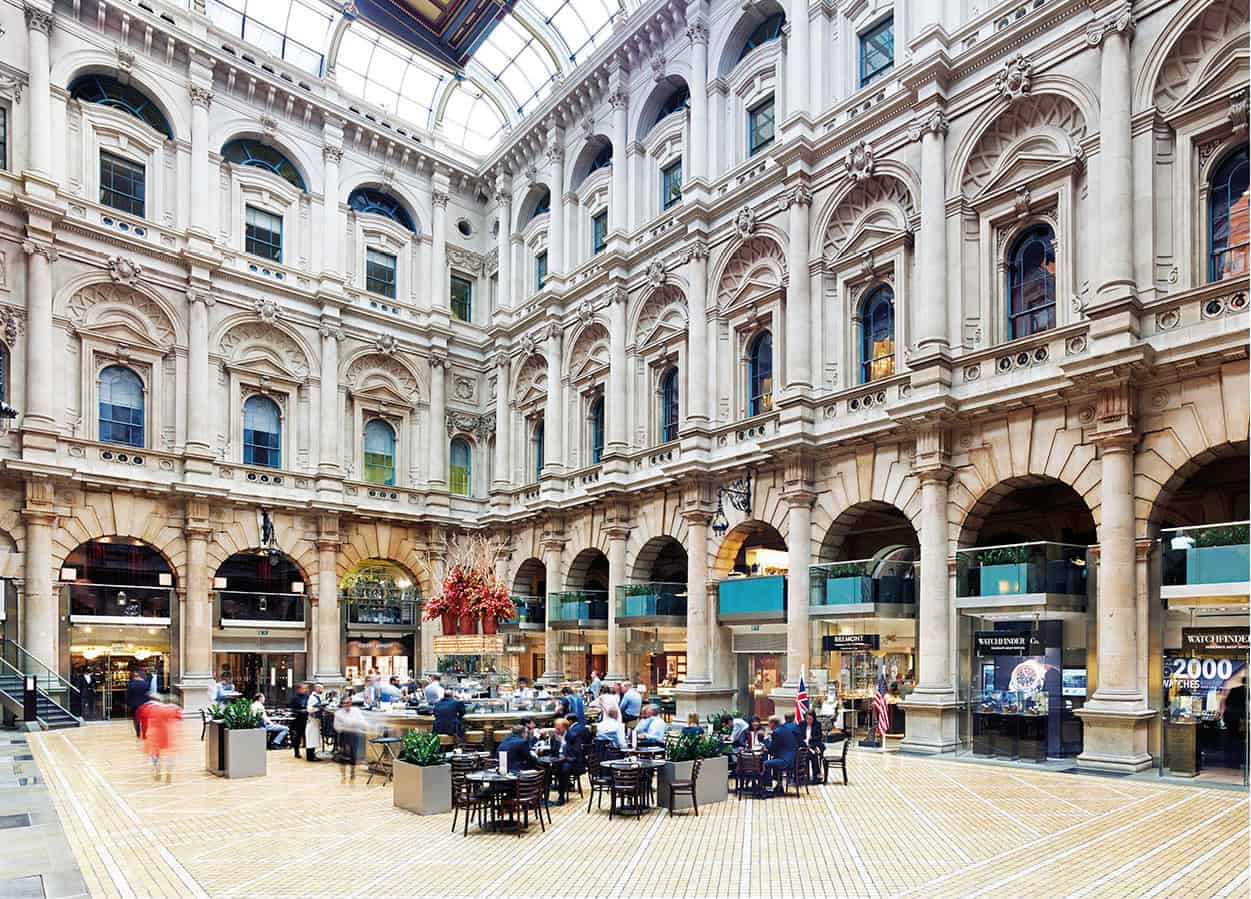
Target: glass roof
(512, 71)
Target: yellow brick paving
(904, 827)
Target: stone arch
(67, 67)
(725, 50)
(529, 569)
(1178, 57)
(663, 308)
(1053, 116)
(530, 201)
(530, 379)
(591, 148)
(757, 264)
(366, 540)
(400, 191)
(92, 301)
(580, 568)
(646, 555)
(664, 87)
(1177, 481)
(883, 203)
(872, 475)
(975, 516)
(12, 550)
(588, 350)
(242, 128)
(370, 369)
(242, 533)
(243, 339)
(728, 548)
(96, 515)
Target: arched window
(543, 206)
(1032, 283)
(257, 155)
(537, 449)
(877, 327)
(679, 99)
(110, 92)
(669, 406)
(768, 30)
(460, 463)
(366, 199)
(597, 430)
(760, 374)
(603, 159)
(1229, 219)
(121, 406)
(4, 373)
(262, 432)
(379, 452)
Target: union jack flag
(880, 707)
(801, 701)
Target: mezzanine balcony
(752, 600)
(655, 603)
(241, 608)
(1039, 575)
(578, 610)
(863, 587)
(531, 614)
(1205, 560)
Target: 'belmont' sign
(1006, 643)
(1214, 640)
(850, 642)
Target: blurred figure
(137, 695)
(434, 689)
(631, 703)
(299, 707)
(594, 687)
(350, 725)
(160, 720)
(275, 734)
(651, 728)
(693, 727)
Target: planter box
(1216, 565)
(851, 590)
(423, 790)
(712, 786)
(1004, 580)
(235, 753)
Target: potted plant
(714, 771)
(422, 778)
(493, 606)
(846, 584)
(446, 606)
(1004, 570)
(235, 743)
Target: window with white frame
(760, 126)
(263, 234)
(380, 270)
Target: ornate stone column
(932, 720)
(931, 314)
(332, 153)
(429, 662)
(1116, 171)
(617, 411)
(197, 623)
(697, 166)
(199, 439)
(39, 107)
(503, 242)
(201, 199)
(440, 297)
(438, 421)
(1115, 719)
(799, 495)
(553, 549)
(41, 360)
(696, 399)
(41, 630)
(618, 202)
(798, 292)
(331, 422)
(503, 423)
(556, 220)
(617, 534)
(329, 623)
(553, 413)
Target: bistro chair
(530, 797)
(686, 787)
(626, 790)
(466, 796)
(475, 740)
(798, 775)
(446, 742)
(835, 761)
(749, 774)
(205, 718)
(383, 764)
(600, 779)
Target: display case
(1011, 724)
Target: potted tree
(235, 743)
(471, 589)
(714, 771)
(423, 779)
(445, 606)
(494, 605)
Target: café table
(649, 768)
(655, 752)
(500, 786)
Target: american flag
(801, 701)
(880, 707)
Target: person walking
(350, 726)
(137, 695)
(299, 708)
(160, 736)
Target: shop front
(382, 622)
(751, 605)
(1205, 692)
(851, 656)
(118, 600)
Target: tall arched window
(760, 374)
(1229, 219)
(110, 92)
(379, 452)
(679, 98)
(537, 449)
(262, 432)
(597, 430)
(877, 326)
(4, 373)
(121, 406)
(768, 30)
(256, 154)
(1032, 283)
(669, 406)
(366, 199)
(460, 464)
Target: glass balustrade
(861, 582)
(112, 601)
(1022, 568)
(243, 606)
(530, 614)
(651, 600)
(1205, 554)
(573, 606)
(752, 598)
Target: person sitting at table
(782, 744)
(389, 691)
(275, 734)
(524, 692)
(693, 728)
(434, 689)
(651, 729)
(631, 703)
(810, 735)
(517, 748)
(608, 699)
(556, 739)
(609, 729)
(530, 730)
(449, 717)
(577, 738)
(572, 704)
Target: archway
(1199, 658)
(653, 605)
(530, 594)
(381, 606)
(119, 596)
(260, 610)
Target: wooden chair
(798, 775)
(626, 790)
(530, 797)
(836, 761)
(466, 796)
(600, 780)
(686, 787)
(749, 773)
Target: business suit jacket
(448, 716)
(813, 737)
(784, 744)
(518, 750)
(136, 693)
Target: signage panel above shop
(1007, 643)
(1214, 641)
(851, 642)
(469, 645)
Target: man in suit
(782, 744)
(810, 735)
(449, 715)
(137, 693)
(518, 749)
(299, 707)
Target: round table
(647, 766)
(493, 780)
(652, 751)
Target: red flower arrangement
(471, 589)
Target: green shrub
(688, 747)
(1004, 555)
(1228, 535)
(422, 749)
(237, 715)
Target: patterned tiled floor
(905, 827)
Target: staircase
(15, 664)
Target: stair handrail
(27, 658)
(47, 697)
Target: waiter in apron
(312, 730)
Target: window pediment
(1024, 167)
(1227, 74)
(870, 236)
(122, 128)
(122, 330)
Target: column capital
(933, 450)
(438, 360)
(697, 32)
(800, 195)
(699, 249)
(40, 248)
(440, 198)
(619, 98)
(332, 153)
(200, 296)
(1116, 417)
(1120, 21)
(696, 517)
(503, 197)
(330, 330)
(201, 96)
(38, 19)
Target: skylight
(582, 24)
(518, 60)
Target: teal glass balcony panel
(752, 599)
(1206, 554)
(862, 582)
(574, 606)
(1022, 568)
(651, 600)
(531, 614)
